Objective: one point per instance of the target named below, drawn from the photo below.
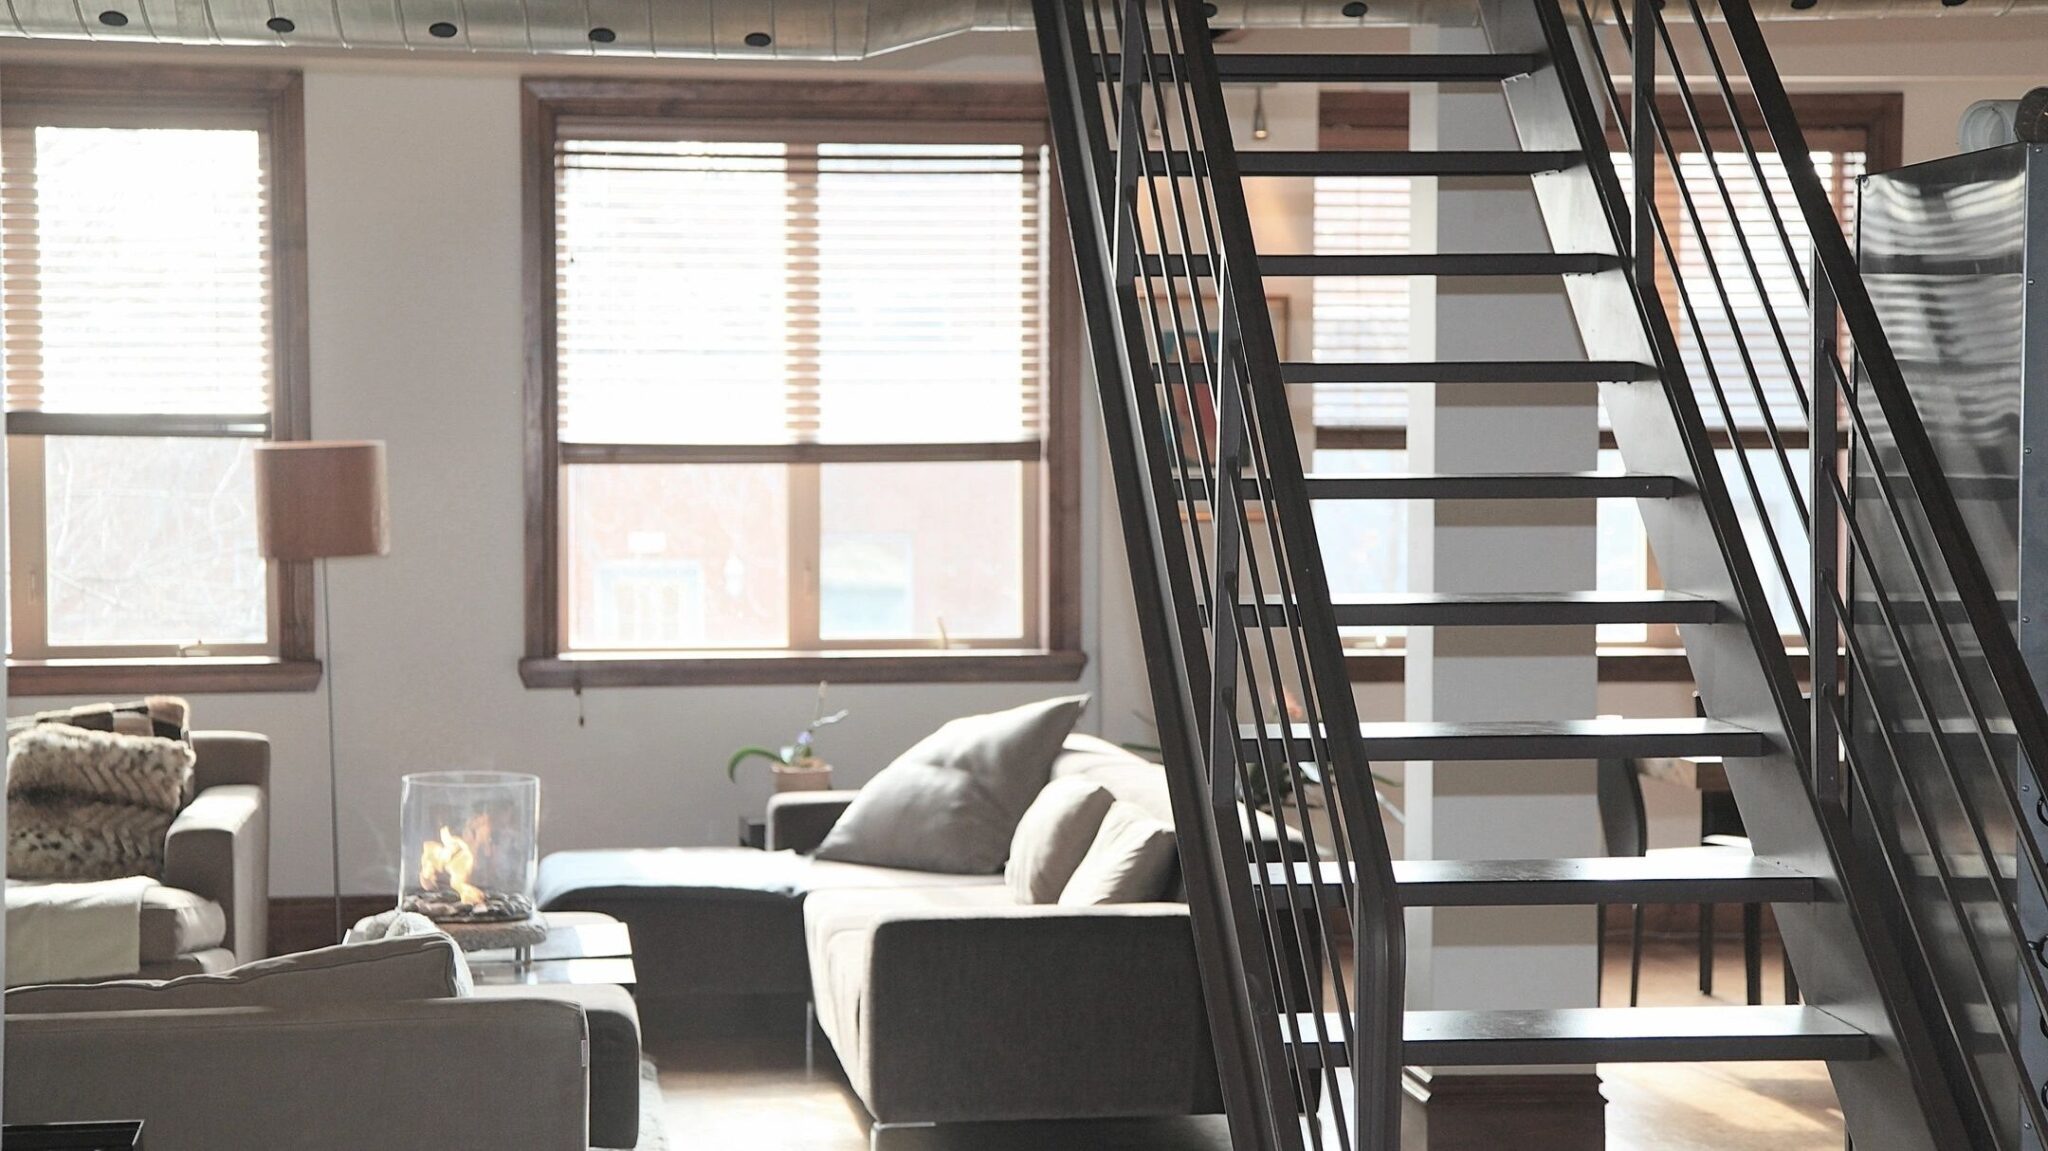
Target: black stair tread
(1518, 485)
(1280, 68)
(1625, 738)
(1402, 264)
(1680, 875)
(1466, 372)
(1508, 609)
(1474, 486)
(1532, 1037)
(1499, 162)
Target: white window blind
(137, 279)
(1753, 310)
(1366, 319)
(774, 293)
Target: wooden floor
(758, 1095)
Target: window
(804, 411)
(1361, 427)
(154, 292)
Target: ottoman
(614, 1024)
(718, 932)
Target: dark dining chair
(1625, 829)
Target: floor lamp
(322, 500)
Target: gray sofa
(944, 999)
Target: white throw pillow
(1053, 837)
(1131, 861)
(952, 802)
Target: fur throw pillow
(85, 805)
(166, 716)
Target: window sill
(749, 668)
(221, 675)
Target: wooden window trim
(545, 103)
(276, 97)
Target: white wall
(413, 167)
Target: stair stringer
(1847, 964)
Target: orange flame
(448, 863)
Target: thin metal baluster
(1822, 450)
(1945, 524)
(2031, 972)
(1214, 363)
(1699, 228)
(1965, 923)
(1732, 102)
(1980, 720)
(1754, 488)
(1903, 880)
(1741, 233)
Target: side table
(582, 947)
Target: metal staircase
(1300, 932)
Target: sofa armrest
(219, 848)
(224, 757)
(453, 1073)
(799, 820)
(1021, 1012)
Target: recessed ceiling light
(441, 30)
(280, 25)
(759, 39)
(113, 19)
(602, 35)
(1354, 9)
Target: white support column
(1496, 957)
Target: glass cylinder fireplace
(470, 842)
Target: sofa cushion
(952, 802)
(839, 930)
(413, 967)
(176, 922)
(1131, 861)
(1128, 777)
(1053, 837)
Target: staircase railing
(1928, 732)
(1254, 708)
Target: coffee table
(582, 947)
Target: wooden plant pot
(812, 777)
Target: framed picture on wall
(1194, 408)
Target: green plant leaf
(732, 767)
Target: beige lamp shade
(321, 499)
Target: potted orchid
(796, 767)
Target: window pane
(907, 550)
(1361, 320)
(152, 541)
(677, 556)
(672, 292)
(1365, 542)
(151, 269)
(928, 298)
(1624, 554)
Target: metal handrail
(1215, 509)
(1916, 502)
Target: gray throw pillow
(952, 802)
(385, 970)
(85, 805)
(1052, 838)
(1130, 861)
